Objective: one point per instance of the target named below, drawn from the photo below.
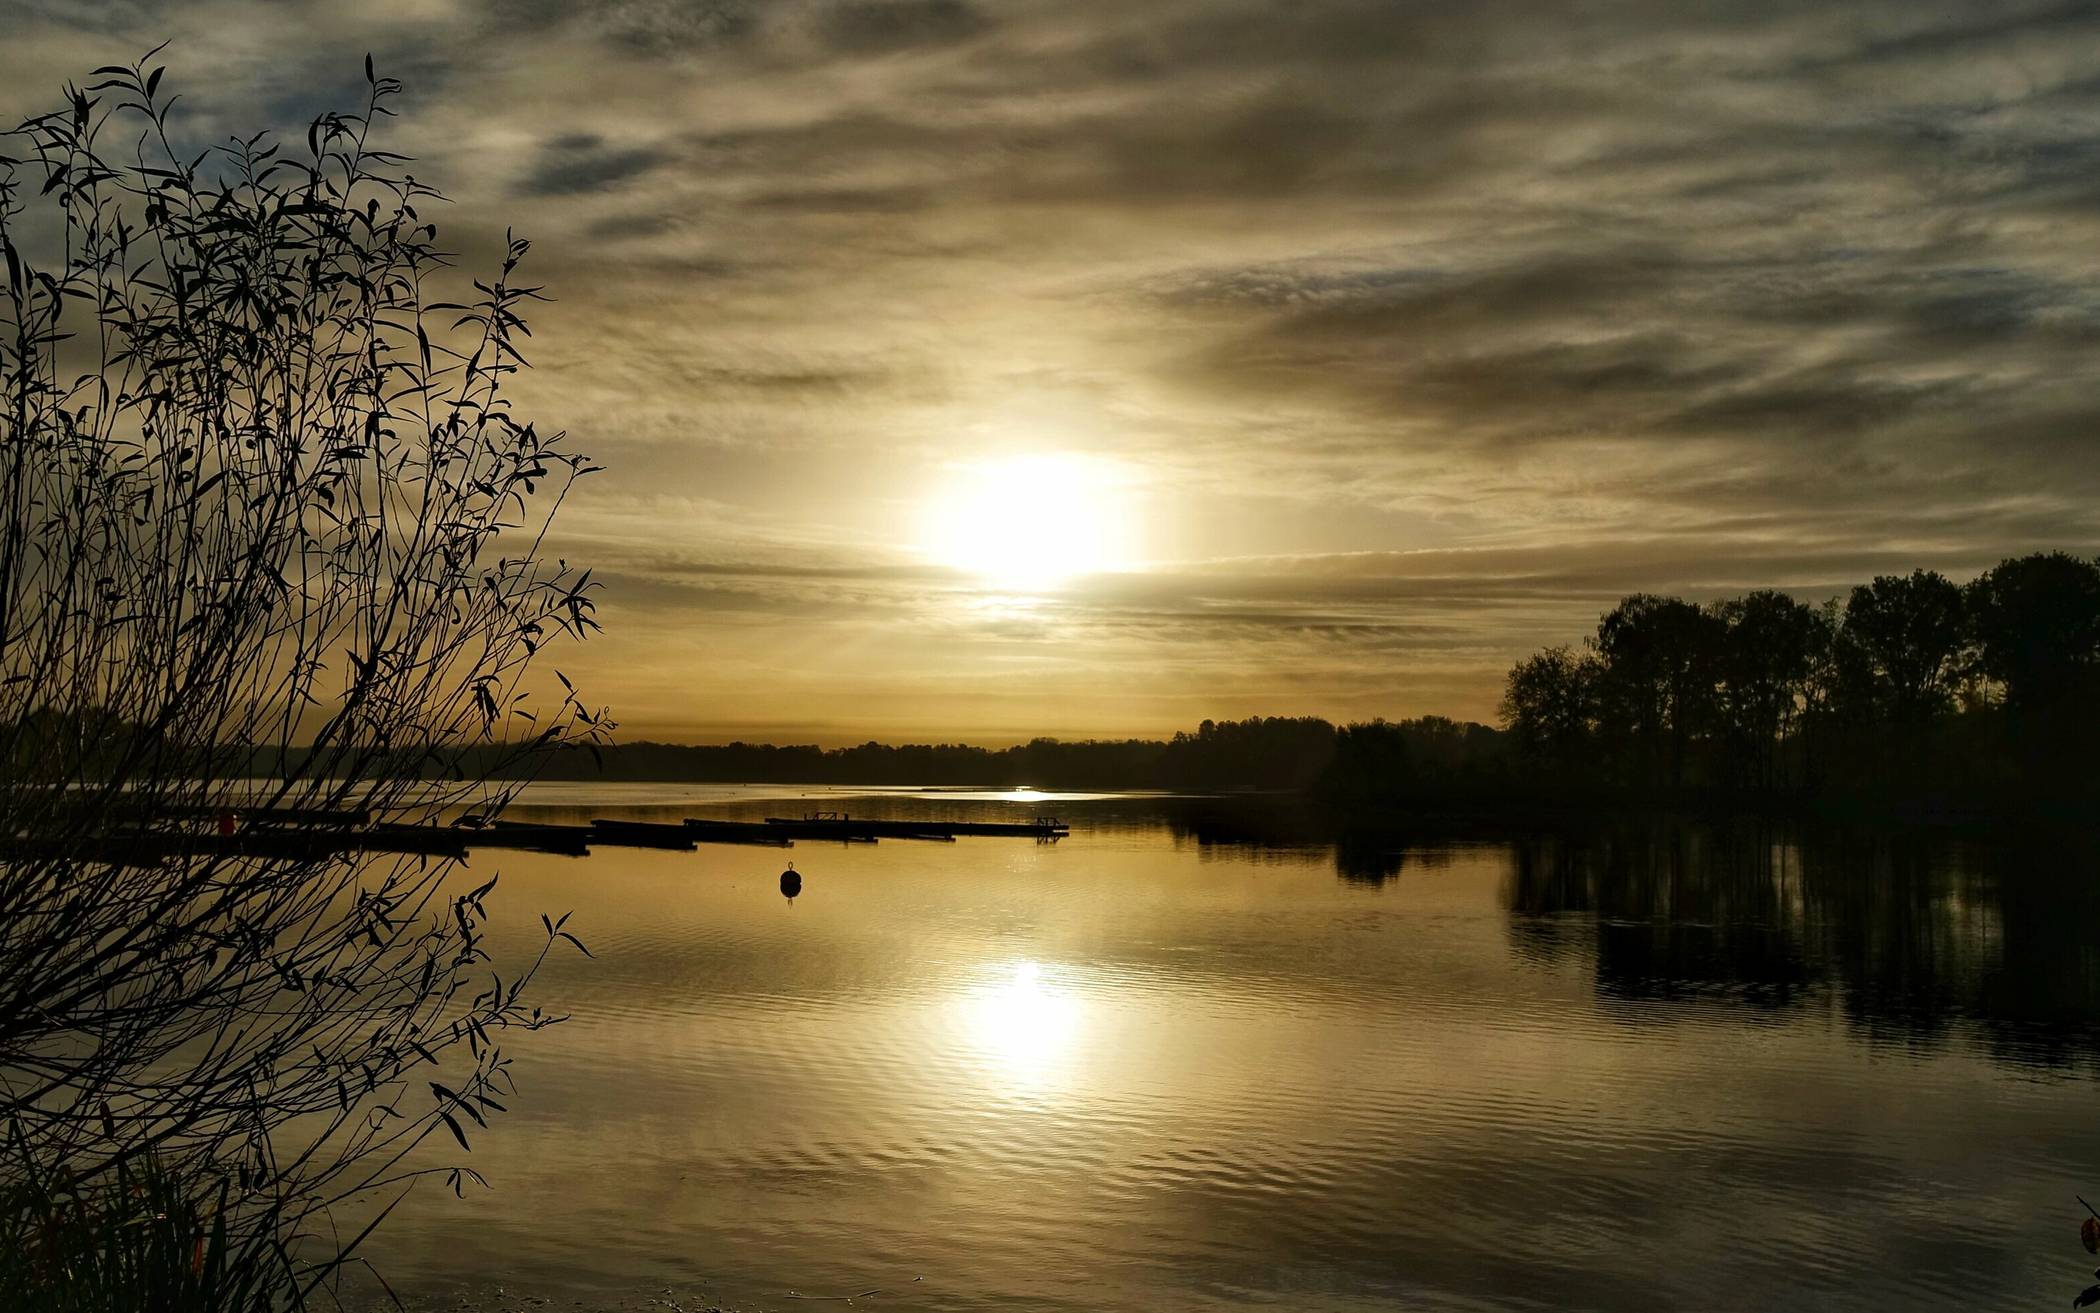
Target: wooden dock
(644, 834)
(749, 832)
(839, 825)
(305, 836)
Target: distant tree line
(1269, 753)
(1264, 752)
(1911, 686)
(1911, 690)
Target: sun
(1031, 523)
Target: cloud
(1425, 330)
(883, 25)
(583, 162)
(651, 27)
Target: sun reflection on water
(1025, 1023)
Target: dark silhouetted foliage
(1550, 707)
(261, 485)
(1916, 689)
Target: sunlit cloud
(1414, 334)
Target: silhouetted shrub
(260, 486)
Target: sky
(979, 369)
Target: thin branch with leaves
(271, 539)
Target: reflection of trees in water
(1369, 859)
(2044, 986)
(1292, 830)
(1671, 913)
(1908, 935)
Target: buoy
(790, 882)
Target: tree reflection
(1909, 938)
(1369, 859)
(1673, 912)
(1293, 830)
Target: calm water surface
(1199, 1056)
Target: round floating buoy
(790, 882)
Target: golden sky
(985, 368)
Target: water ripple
(1133, 1071)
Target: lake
(1202, 1055)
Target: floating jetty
(292, 835)
(839, 825)
(644, 834)
(737, 832)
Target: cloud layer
(1423, 331)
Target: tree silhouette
(1660, 658)
(1915, 688)
(2037, 628)
(1769, 648)
(1910, 635)
(261, 486)
(1902, 657)
(1550, 704)
(2036, 622)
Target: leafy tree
(1448, 748)
(2036, 622)
(1370, 759)
(261, 485)
(2037, 626)
(1273, 752)
(1425, 756)
(1908, 635)
(1769, 649)
(1549, 704)
(1657, 686)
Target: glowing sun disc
(1032, 522)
